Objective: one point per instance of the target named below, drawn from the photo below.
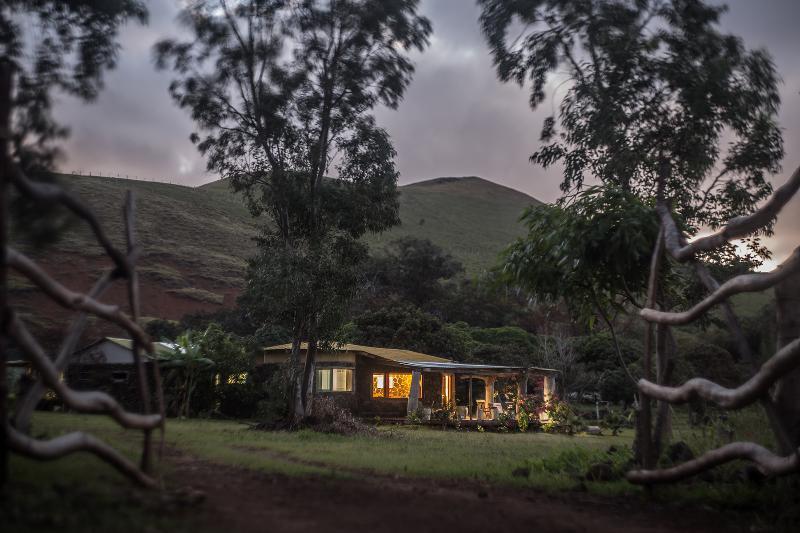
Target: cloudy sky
(456, 118)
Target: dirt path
(243, 500)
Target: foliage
(412, 329)
(645, 106)
(411, 270)
(276, 89)
(561, 418)
(616, 421)
(55, 47)
(598, 367)
(274, 409)
(185, 366)
(592, 253)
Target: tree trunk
(297, 381)
(5, 164)
(787, 390)
(309, 374)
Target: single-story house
(107, 365)
(389, 382)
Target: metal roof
(417, 359)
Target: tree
(653, 90)
(49, 46)
(276, 89)
(410, 328)
(185, 365)
(412, 270)
(659, 102)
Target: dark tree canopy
(653, 89)
(54, 46)
(277, 87)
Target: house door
(468, 391)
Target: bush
(561, 418)
(327, 417)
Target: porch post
(522, 389)
(413, 395)
(549, 387)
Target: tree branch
(76, 442)
(83, 401)
(75, 300)
(735, 228)
(744, 283)
(767, 463)
(784, 361)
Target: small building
(390, 382)
(107, 365)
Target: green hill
(196, 240)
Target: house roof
(392, 354)
(417, 359)
(161, 348)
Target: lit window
(399, 385)
(335, 380)
(237, 379)
(378, 386)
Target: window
(393, 385)
(335, 380)
(378, 386)
(119, 377)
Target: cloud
(456, 119)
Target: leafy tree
(592, 253)
(412, 270)
(186, 364)
(659, 101)
(410, 328)
(276, 88)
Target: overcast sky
(456, 118)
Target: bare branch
(76, 442)
(784, 361)
(37, 390)
(46, 192)
(744, 283)
(767, 463)
(734, 229)
(83, 401)
(75, 300)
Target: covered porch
(482, 392)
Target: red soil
(247, 501)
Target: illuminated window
(335, 380)
(399, 385)
(378, 386)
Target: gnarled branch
(744, 283)
(84, 401)
(76, 442)
(49, 193)
(31, 398)
(736, 228)
(786, 360)
(75, 300)
(767, 463)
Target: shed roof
(417, 360)
(161, 348)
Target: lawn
(532, 460)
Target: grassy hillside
(196, 240)
(470, 217)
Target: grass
(208, 232)
(201, 295)
(533, 460)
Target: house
(389, 382)
(107, 365)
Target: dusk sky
(456, 118)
